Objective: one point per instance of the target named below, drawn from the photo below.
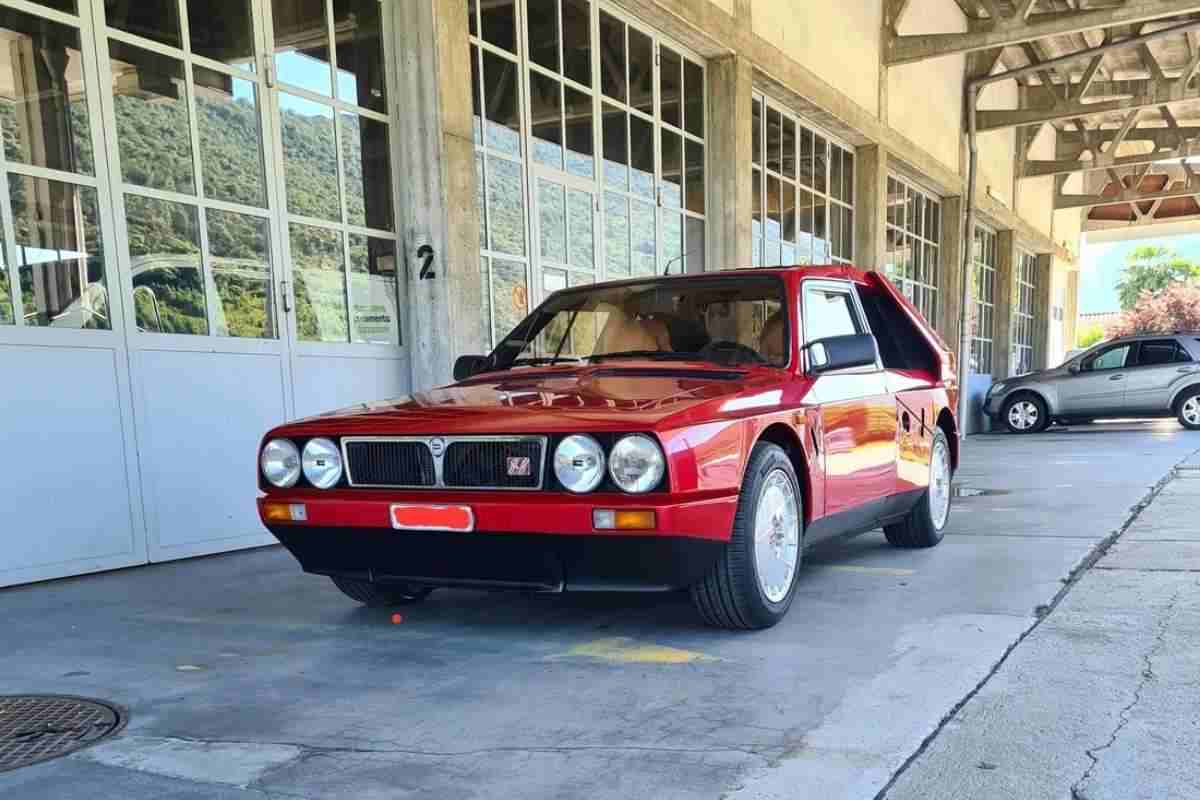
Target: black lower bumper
(534, 562)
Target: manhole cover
(37, 727)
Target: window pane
(318, 266)
(367, 164)
(231, 156)
(164, 254)
(580, 149)
(756, 133)
(240, 250)
(60, 257)
(828, 313)
(221, 30)
(481, 201)
(154, 19)
(6, 308)
(787, 201)
(820, 164)
(358, 36)
(774, 136)
(804, 227)
(545, 112)
(612, 57)
(695, 244)
(309, 158)
(695, 177)
(806, 167)
(476, 110)
(756, 189)
(789, 147)
(835, 232)
(153, 132)
(616, 147)
(302, 44)
(510, 296)
(577, 41)
(672, 244)
(641, 216)
(499, 24)
(42, 106)
(693, 87)
(506, 206)
(543, 33)
(581, 245)
(374, 312)
(835, 172)
(670, 86)
(641, 147)
(820, 243)
(616, 235)
(641, 71)
(503, 131)
(774, 218)
(672, 170)
(552, 221)
(847, 176)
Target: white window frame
(984, 262)
(919, 279)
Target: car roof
(831, 271)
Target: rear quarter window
(902, 345)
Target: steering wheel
(732, 351)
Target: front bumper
(992, 405)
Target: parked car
(688, 432)
(1149, 376)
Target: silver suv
(1134, 376)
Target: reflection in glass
(693, 92)
(774, 137)
(367, 165)
(302, 44)
(671, 189)
(164, 262)
(641, 217)
(476, 110)
(154, 19)
(577, 41)
(789, 147)
(545, 114)
(756, 131)
(153, 132)
(318, 265)
(309, 157)
(480, 201)
(542, 16)
(695, 244)
(503, 128)
(510, 296)
(756, 229)
(221, 30)
(641, 156)
(358, 34)
(672, 243)
(774, 220)
(506, 206)
(552, 221)
(612, 57)
(641, 71)
(231, 156)
(616, 234)
(820, 163)
(670, 86)
(374, 316)
(60, 257)
(695, 177)
(581, 245)
(616, 147)
(499, 23)
(42, 107)
(240, 250)
(580, 148)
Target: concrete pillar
(1042, 307)
(870, 207)
(437, 186)
(729, 143)
(1007, 265)
(1071, 311)
(950, 288)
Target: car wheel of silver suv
(1024, 413)
(1188, 409)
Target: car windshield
(730, 320)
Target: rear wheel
(1189, 409)
(1024, 413)
(753, 582)
(376, 594)
(925, 525)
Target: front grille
(499, 464)
(374, 462)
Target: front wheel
(925, 524)
(1025, 413)
(753, 582)
(376, 594)
(1189, 410)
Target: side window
(1181, 354)
(1112, 358)
(1156, 352)
(829, 312)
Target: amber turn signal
(284, 512)
(623, 520)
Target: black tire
(375, 594)
(730, 596)
(1188, 395)
(919, 528)
(1025, 397)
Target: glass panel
(672, 170)
(774, 137)
(693, 87)
(231, 155)
(153, 133)
(641, 147)
(694, 189)
(616, 147)
(804, 227)
(42, 106)
(481, 201)
(499, 22)
(581, 244)
(552, 221)
(641, 216)
(672, 244)
(302, 44)
(60, 257)
(154, 19)
(774, 219)
(835, 231)
(848, 176)
(580, 148)
(366, 163)
(756, 133)
(164, 255)
(221, 30)
(771, 254)
(543, 33)
(787, 201)
(577, 41)
(510, 295)
(545, 112)
(641, 71)
(616, 235)
(240, 260)
(787, 255)
(847, 234)
(835, 172)
(820, 163)
(820, 243)
(309, 158)
(695, 244)
(806, 157)
(503, 131)
(670, 86)
(485, 299)
(612, 57)
(473, 29)
(506, 206)
(319, 268)
(476, 110)
(756, 189)
(789, 147)
(6, 308)
(62, 5)
(374, 309)
(358, 35)
(757, 259)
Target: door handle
(1186, 369)
(1117, 378)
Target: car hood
(598, 398)
(1037, 376)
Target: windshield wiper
(536, 361)
(653, 355)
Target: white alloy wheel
(776, 536)
(939, 483)
(1024, 415)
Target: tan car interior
(771, 342)
(624, 332)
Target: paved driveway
(246, 678)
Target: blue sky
(1104, 262)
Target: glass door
(565, 219)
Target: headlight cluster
(636, 463)
(282, 463)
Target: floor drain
(38, 727)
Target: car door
(1159, 365)
(1099, 384)
(857, 413)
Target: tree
(1152, 269)
(1176, 308)
(1089, 336)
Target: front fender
(1183, 387)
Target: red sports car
(692, 432)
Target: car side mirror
(1073, 368)
(466, 366)
(842, 352)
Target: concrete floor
(246, 678)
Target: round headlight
(579, 463)
(636, 463)
(280, 463)
(322, 463)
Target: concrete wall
(1035, 196)
(997, 148)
